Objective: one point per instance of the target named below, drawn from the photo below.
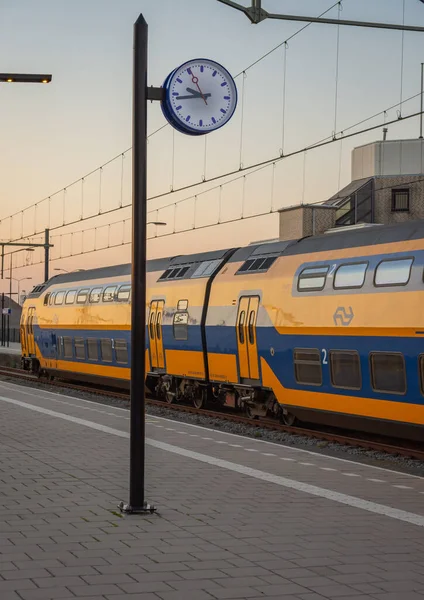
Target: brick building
(387, 187)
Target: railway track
(399, 448)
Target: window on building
(350, 276)
(393, 272)
(180, 326)
(312, 279)
(121, 351)
(82, 296)
(79, 348)
(307, 366)
(106, 350)
(400, 200)
(59, 298)
(345, 369)
(388, 372)
(70, 297)
(109, 294)
(124, 293)
(67, 347)
(93, 349)
(95, 295)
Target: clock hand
(196, 95)
(195, 81)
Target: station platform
(10, 356)
(237, 518)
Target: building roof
(347, 191)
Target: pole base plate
(145, 509)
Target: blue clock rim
(169, 114)
(166, 103)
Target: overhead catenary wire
(159, 129)
(195, 198)
(240, 173)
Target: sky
(52, 135)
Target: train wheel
(288, 418)
(199, 399)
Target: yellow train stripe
(404, 412)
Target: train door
(23, 332)
(246, 337)
(157, 360)
(30, 331)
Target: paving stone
(61, 484)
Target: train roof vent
(175, 272)
(206, 268)
(259, 264)
(38, 288)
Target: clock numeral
(213, 120)
(222, 84)
(214, 74)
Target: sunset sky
(52, 135)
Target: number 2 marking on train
(324, 356)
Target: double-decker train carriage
(327, 328)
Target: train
(326, 329)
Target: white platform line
(306, 488)
(350, 461)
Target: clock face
(200, 96)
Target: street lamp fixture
(25, 78)
(160, 223)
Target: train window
(175, 272)
(388, 372)
(95, 295)
(46, 299)
(82, 296)
(152, 324)
(106, 350)
(182, 305)
(421, 368)
(307, 366)
(121, 351)
(312, 279)
(93, 349)
(109, 294)
(345, 369)
(70, 297)
(393, 272)
(251, 328)
(79, 348)
(51, 299)
(180, 326)
(124, 293)
(67, 347)
(255, 265)
(159, 325)
(241, 326)
(58, 299)
(206, 268)
(350, 276)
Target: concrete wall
(383, 199)
(390, 157)
(300, 221)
